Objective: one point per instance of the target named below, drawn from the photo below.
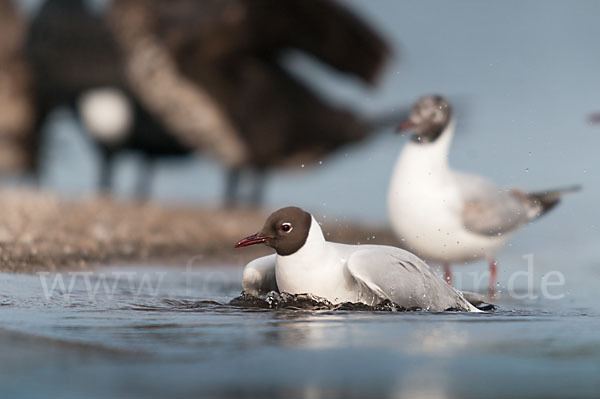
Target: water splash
(280, 301)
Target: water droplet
(526, 170)
(302, 165)
(320, 162)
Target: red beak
(404, 126)
(251, 240)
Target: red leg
(447, 273)
(493, 277)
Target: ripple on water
(273, 301)
(169, 305)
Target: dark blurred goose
(78, 64)
(231, 52)
(207, 76)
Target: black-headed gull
(447, 216)
(305, 263)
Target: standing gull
(305, 263)
(448, 216)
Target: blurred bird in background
(449, 216)
(78, 64)
(594, 118)
(188, 76)
(16, 139)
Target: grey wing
(259, 276)
(489, 210)
(394, 274)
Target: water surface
(180, 337)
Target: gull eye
(286, 227)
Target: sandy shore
(41, 231)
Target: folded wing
(401, 277)
(487, 209)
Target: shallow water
(178, 335)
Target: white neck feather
(312, 249)
(315, 268)
(431, 157)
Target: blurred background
(290, 117)
(144, 136)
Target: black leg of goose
(38, 143)
(232, 186)
(143, 188)
(106, 172)
(258, 190)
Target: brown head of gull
(285, 231)
(428, 118)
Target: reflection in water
(446, 339)
(423, 382)
(311, 331)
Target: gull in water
(305, 263)
(447, 216)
